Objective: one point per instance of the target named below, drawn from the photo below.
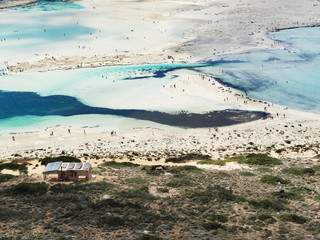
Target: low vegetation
(136, 181)
(47, 160)
(282, 194)
(188, 157)
(251, 159)
(26, 189)
(268, 204)
(212, 193)
(15, 166)
(149, 237)
(185, 169)
(163, 202)
(247, 174)
(6, 177)
(262, 159)
(265, 218)
(114, 164)
(300, 171)
(293, 218)
(274, 180)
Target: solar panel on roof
(47, 167)
(64, 165)
(78, 166)
(51, 167)
(71, 165)
(86, 166)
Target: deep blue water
(15, 104)
(288, 76)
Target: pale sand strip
(74, 62)
(296, 128)
(206, 30)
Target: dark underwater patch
(13, 104)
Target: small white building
(69, 171)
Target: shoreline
(125, 59)
(27, 144)
(17, 3)
(151, 180)
(282, 134)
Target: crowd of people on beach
(245, 96)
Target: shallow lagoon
(289, 77)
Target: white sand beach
(189, 31)
(295, 133)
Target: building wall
(72, 175)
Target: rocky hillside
(269, 200)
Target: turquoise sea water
(56, 5)
(288, 76)
(39, 30)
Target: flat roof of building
(66, 166)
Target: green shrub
(7, 214)
(287, 195)
(224, 194)
(6, 177)
(112, 221)
(98, 171)
(266, 218)
(14, 166)
(262, 159)
(240, 159)
(188, 157)
(301, 190)
(247, 174)
(264, 170)
(212, 162)
(107, 204)
(203, 162)
(114, 164)
(212, 226)
(223, 174)
(293, 218)
(163, 189)
(148, 237)
(47, 160)
(274, 180)
(251, 159)
(140, 194)
(136, 180)
(27, 189)
(218, 218)
(179, 182)
(185, 169)
(212, 193)
(84, 187)
(299, 171)
(267, 204)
